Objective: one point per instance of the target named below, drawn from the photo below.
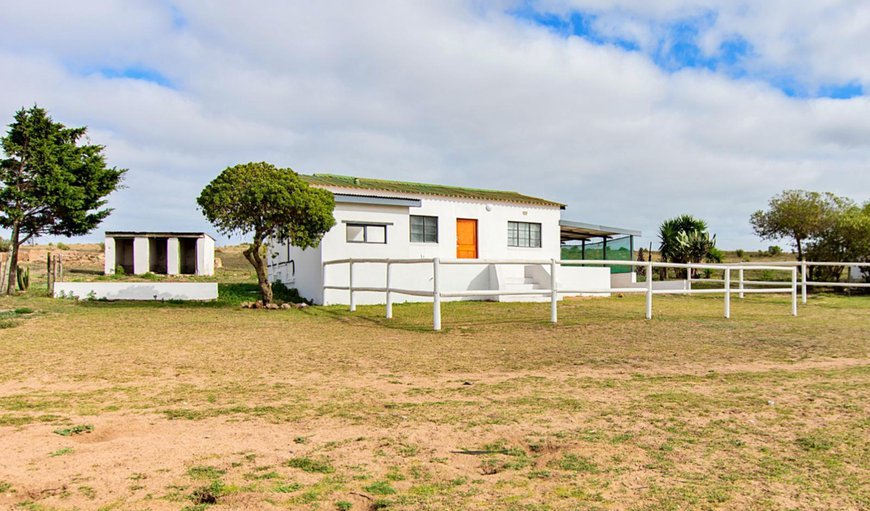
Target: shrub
(714, 255)
(208, 494)
(774, 250)
(5, 245)
(739, 253)
(75, 430)
(62, 246)
(283, 293)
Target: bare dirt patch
(228, 409)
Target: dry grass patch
(210, 406)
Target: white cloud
(450, 92)
(818, 42)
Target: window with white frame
(524, 234)
(424, 229)
(366, 233)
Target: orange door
(466, 238)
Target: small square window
(424, 229)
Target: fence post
(554, 293)
(48, 275)
(689, 278)
(436, 294)
(649, 289)
(740, 276)
(794, 291)
(727, 293)
(389, 294)
(804, 282)
(59, 264)
(350, 285)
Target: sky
(628, 111)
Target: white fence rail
(805, 281)
(554, 290)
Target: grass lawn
(166, 406)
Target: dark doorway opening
(157, 255)
(124, 255)
(187, 249)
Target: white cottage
(390, 219)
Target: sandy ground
(604, 412)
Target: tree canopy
(847, 238)
(263, 201)
(798, 215)
(49, 183)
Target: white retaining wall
(199, 291)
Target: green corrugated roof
(422, 188)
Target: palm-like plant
(685, 239)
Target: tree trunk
(800, 250)
(252, 254)
(13, 259)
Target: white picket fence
(554, 290)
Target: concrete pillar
(200, 256)
(109, 255)
(140, 255)
(204, 256)
(173, 257)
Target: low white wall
(137, 290)
(465, 277)
(583, 277)
(623, 279)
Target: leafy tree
(49, 184)
(799, 215)
(269, 203)
(846, 239)
(685, 239)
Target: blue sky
(135, 73)
(628, 111)
(676, 46)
